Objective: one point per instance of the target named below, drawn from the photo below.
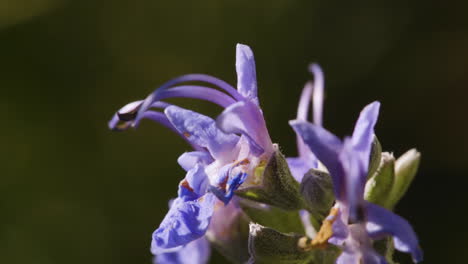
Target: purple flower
(312, 91)
(227, 151)
(356, 222)
(196, 252)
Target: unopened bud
(317, 190)
(406, 167)
(380, 184)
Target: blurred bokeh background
(71, 191)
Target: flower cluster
(336, 196)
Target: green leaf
(278, 188)
(273, 217)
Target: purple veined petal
(185, 222)
(246, 118)
(194, 185)
(326, 147)
(246, 75)
(188, 160)
(355, 180)
(202, 131)
(363, 133)
(382, 222)
(197, 179)
(195, 252)
(318, 93)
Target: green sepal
(278, 188)
(273, 217)
(406, 167)
(317, 190)
(375, 157)
(267, 245)
(379, 186)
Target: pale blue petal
(382, 222)
(246, 118)
(246, 75)
(195, 252)
(188, 160)
(355, 180)
(201, 130)
(300, 166)
(340, 230)
(349, 257)
(370, 256)
(363, 134)
(326, 147)
(195, 183)
(185, 222)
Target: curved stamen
(318, 93)
(304, 101)
(198, 92)
(128, 113)
(197, 77)
(186, 91)
(302, 110)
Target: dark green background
(71, 191)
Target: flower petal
(246, 75)
(299, 167)
(227, 182)
(326, 148)
(369, 256)
(349, 257)
(196, 252)
(195, 183)
(363, 133)
(339, 229)
(188, 160)
(201, 130)
(382, 222)
(355, 180)
(185, 222)
(246, 118)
